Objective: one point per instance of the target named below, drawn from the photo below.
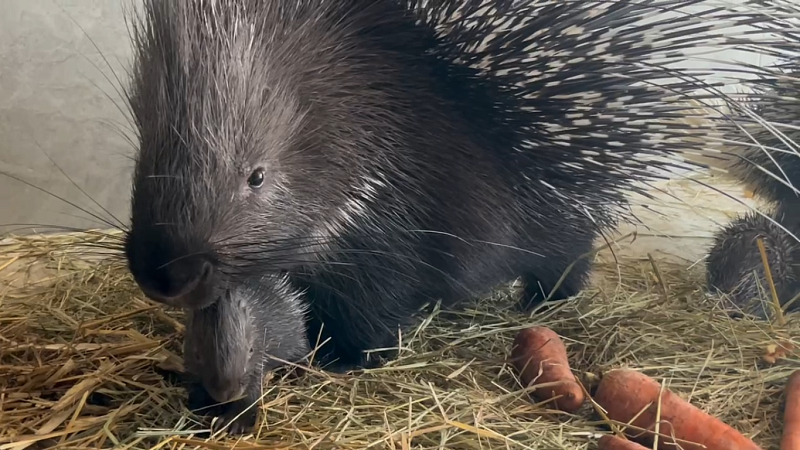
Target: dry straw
(79, 349)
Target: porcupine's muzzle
(173, 273)
(223, 391)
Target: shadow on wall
(59, 99)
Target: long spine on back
(768, 159)
(762, 143)
(586, 96)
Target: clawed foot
(201, 403)
(350, 365)
(239, 418)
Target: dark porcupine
(228, 344)
(384, 154)
(766, 160)
(735, 266)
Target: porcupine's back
(580, 91)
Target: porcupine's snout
(176, 275)
(222, 390)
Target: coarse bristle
(596, 96)
(757, 252)
(764, 138)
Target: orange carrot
(539, 355)
(791, 413)
(611, 442)
(626, 393)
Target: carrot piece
(611, 442)
(540, 357)
(791, 413)
(624, 393)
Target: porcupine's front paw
(343, 359)
(200, 402)
(344, 366)
(239, 418)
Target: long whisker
(119, 222)
(118, 86)
(90, 213)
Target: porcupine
(384, 154)
(766, 161)
(228, 344)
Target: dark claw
(341, 367)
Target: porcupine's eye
(256, 179)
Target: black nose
(181, 283)
(184, 281)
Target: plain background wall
(56, 99)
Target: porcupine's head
(260, 122)
(735, 266)
(230, 344)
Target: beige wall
(54, 101)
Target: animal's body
(735, 266)
(229, 346)
(763, 153)
(383, 154)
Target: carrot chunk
(624, 393)
(540, 357)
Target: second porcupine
(385, 154)
(231, 343)
(735, 267)
(767, 162)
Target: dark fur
(399, 169)
(735, 265)
(229, 345)
(768, 163)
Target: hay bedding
(79, 346)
